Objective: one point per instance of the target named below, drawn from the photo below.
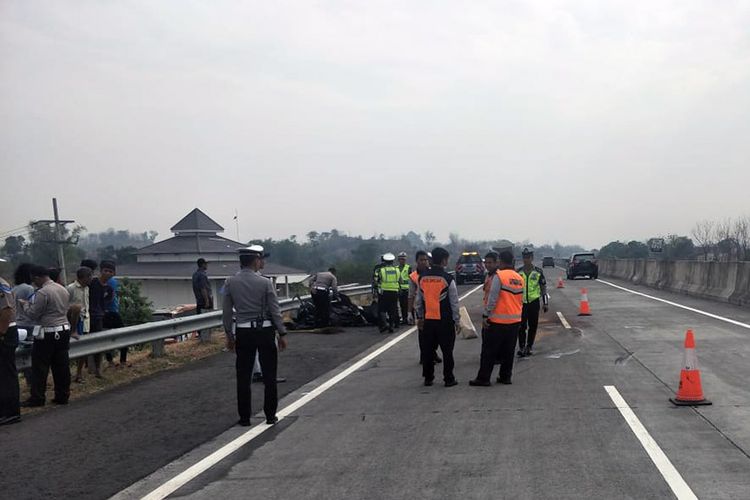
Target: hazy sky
(577, 121)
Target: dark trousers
(529, 322)
(322, 301)
(50, 352)
(437, 333)
(123, 356)
(114, 320)
(403, 302)
(248, 342)
(10, 400)
(498, 342)
(388, 310)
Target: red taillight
(459, 267)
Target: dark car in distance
(470, 267)
(548, 262)
(583, 264)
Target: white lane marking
(673, 478)
(675, 304)
(563, 320)
(206, 463)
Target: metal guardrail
(118, 338)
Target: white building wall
(166, 293)
(174, 292)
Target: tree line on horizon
(355, 256)
(36, 243)
(712, 240)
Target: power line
(16, 230)
(25, 236)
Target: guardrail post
(204, 335)
(157, 348)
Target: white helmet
(388, 257)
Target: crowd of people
(428, 296)
(39, 308)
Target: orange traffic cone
(560, 282)
(690, 392)
(584, 309)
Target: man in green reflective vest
(535, 291)
(387, 283)
(404, 271)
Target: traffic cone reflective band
(584, 309)
(690, 392)
(560, 282)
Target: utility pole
(58, 239)
(60, 249)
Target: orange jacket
(437, 296)
(505, 301)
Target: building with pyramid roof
(165, 268)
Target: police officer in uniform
(49, 310)
(502, 318)
(251, 298)
(10, 403)
(403, 293)
(321, 286)
(535, 291)
(387, 283)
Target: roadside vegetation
(718, 240)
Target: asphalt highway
(556, 432)
(95, 447)
(361, 425)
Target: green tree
(135, 309)
(106, 253)
(121, 255)
(637, 250)
(92, 242)
(679, 248)
(15, 248)
(42, 248)
(619, 250)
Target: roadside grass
(141, 365)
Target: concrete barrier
(722, 281)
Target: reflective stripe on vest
(389, 279)
(434, 290)
(509, 304)
(405, 272)
(532, 290)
